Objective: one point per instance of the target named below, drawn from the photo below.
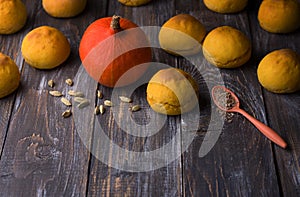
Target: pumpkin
(64, 8)
(114, 51)
(134, 2)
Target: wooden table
(42, 154)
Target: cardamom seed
(55, 93)
(69, 82)
(108, 103)
(65, 101)
(99, 94)
(51, 83)
(125, 99)
(102, 109)
(135, 108)
(66, 113)
(97, 110)
(75, 93)
(83, 104)
(79, 99)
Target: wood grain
(10, 46)
(43, 154)
(241, 156)
(282, 110)
(105, 181)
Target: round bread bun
(134, 2)
(225, 6)
(226, 47)
(9, 76)
(13, 16)
(182, 35)
(172, 92)
(279, 71)
(279, 16)
(64, 8)
(45, 47)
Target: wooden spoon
(232, 104)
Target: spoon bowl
(218, 91)
(227, 101)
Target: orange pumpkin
(111, 49)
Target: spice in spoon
(225, 101)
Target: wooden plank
(55, 161)
(166, 181)
(10, 45)
(241, 162)
(283, 110)
(43, 153)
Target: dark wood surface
(42, 154)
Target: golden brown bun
(279, 16)
(134, 2)
(172, 91)
(182, 35)
(13, 16)
(64, 8)
(45, 47)
(279, 71)
(9, 76)
(226, 47)
(225, 6)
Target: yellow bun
(279, 16)
(13, 16)
(226, 47)
(64, 8)
(182, 35)
(172, 91)
(134, 2)
(45, 47)
(225, 6)
(279, 71)
(9, 76)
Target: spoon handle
(267, 131)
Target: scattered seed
(99, 94)
(79, 99)
(83, 104)
(55, 93)
(125, 99)
(75, 93)
(135, 108)
(66, 113)
(51, 83)
(69, 82)
(102, 109)
(108, 103)
(229, 120)
(65, 101)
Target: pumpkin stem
(115, 23)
